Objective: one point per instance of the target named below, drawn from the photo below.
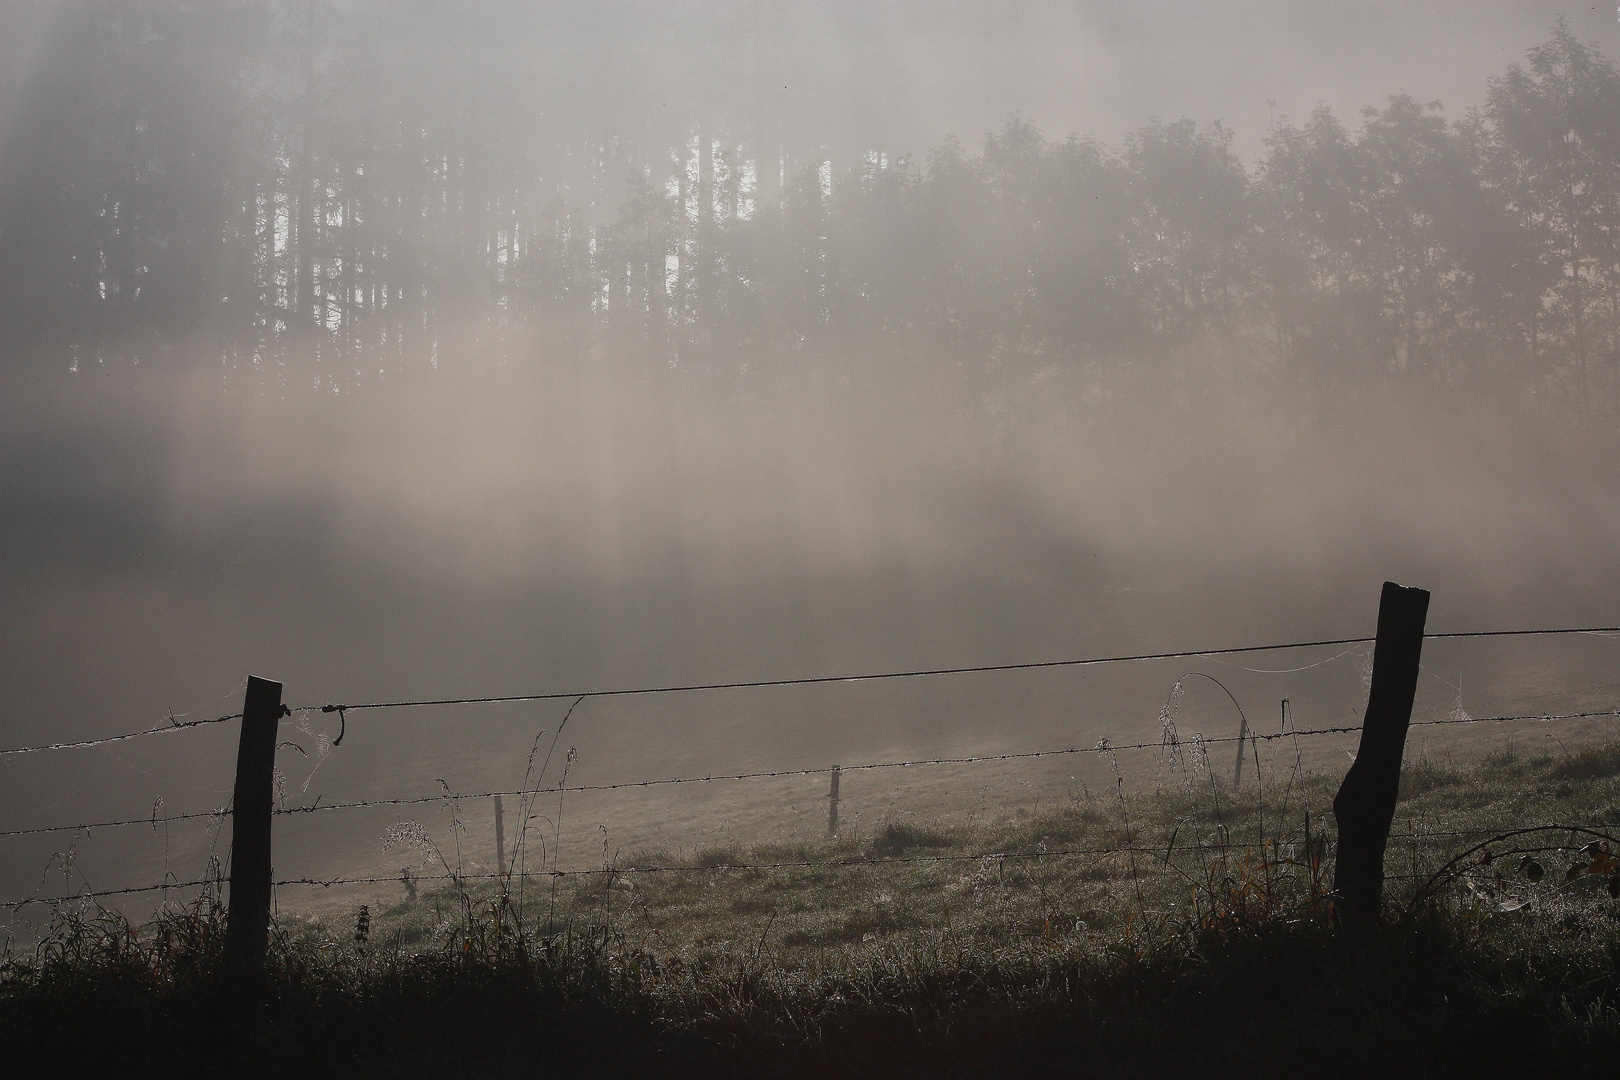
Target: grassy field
(1183, 930)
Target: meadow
(1183, 927)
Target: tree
(1188, 226)
(121, 170)
(1557, 158)
(1311, 218)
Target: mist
(436, 360)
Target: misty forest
(319, 201)
(823, 539)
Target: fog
(675, 463)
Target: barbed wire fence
(215, 879)
(1104, 746)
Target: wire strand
(790, 864)
(816, 680)
(1103, 746)
(13, 905)
(900, 860)
(178, 725)
(118, 823)
(808, 681)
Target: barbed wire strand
(13, 905)
(1104, 746)
(117, 823)
(792, 864)
(177, 725)
(901, 860)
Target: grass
(909, 951)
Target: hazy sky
(902, 74)
(1092, 66)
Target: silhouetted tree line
(286, 189)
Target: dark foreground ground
(1430, 998)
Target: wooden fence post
(1365, 805)
(247, 925)
(832, 805)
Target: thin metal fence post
(1243, 736)
(500, 840)
(832, 805)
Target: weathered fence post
(832, 805)
(247, 926)
(500, 840)
(1365, 805)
